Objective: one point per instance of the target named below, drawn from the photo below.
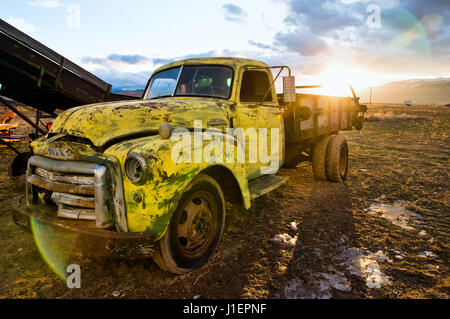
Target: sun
(335, 80)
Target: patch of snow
(293, 226)
(317, 288)
(380, 256)
(380, 198)
(285, 239)
(356, 261)
(362, 263)
(427, 253)
(400, 257)
(298, 289)
(422, 233)
(376, 279)
(337, 281)
(395, 213)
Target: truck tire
(195, 228)
(337, 159)
(319, 158)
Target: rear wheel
(195, 228)
(337, 159)
(319, 158)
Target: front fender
(166, 182)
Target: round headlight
(165, 130)
(136, 168)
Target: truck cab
(150, 177)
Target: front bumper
(82, 236)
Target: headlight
(136, 168)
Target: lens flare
(48, 241)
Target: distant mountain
(119, 89)
(418, 91)
(129, 90)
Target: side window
(254, 85)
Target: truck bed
(315, 115)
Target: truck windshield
(208, 81)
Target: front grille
(78, 189)
(73, 194)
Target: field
(385, 233)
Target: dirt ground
(382, 234)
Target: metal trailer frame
(37, 76)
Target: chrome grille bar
(71, 179)
(79, 189)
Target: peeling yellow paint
(113, 130)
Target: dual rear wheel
(330, 158)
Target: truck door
(252, 114)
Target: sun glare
(335, 80)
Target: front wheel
(195, 228)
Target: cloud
(234, 13)
(122, 71)
(412, 38)
(162, 61)
(301, 42)
(116, 59)
(419, 8)
(124, 80)
(132, 71)
(260, 45)
(73, 10)
(21, 24)
(46, 4)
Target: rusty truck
(109, 175)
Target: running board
(263, 185)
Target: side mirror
(289, 95)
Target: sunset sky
(123, 41)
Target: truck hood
(105, 122)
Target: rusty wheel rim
(196, 224)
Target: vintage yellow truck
(150, 177)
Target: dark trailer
(37, 76)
